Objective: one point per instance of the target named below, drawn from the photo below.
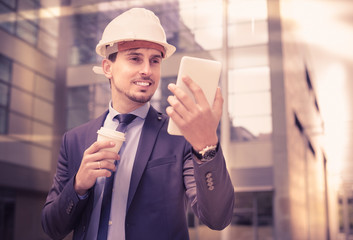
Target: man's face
(134, 77)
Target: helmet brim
(101, 48)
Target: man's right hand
(95, 163)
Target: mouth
(143, 83)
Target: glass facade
(249, 88)
(253, 216)
(27, 82)
(5, 81)
(250, 103)
(30, 21)
(86, 102)
(28, 52)
(8, 17)
(85, 32)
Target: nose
(146, 69)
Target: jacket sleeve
(210, 190)
(63, 207)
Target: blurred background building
(287, 122)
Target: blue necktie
(124, 121)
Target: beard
(138, 99)
(135, 97)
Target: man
(155, 173)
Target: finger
(104, 164)
(101, 155)
(96, 146)
(87, 176)
(175, 116)
(218, 103)
(101, 173)
(102, 168)
(177, 106)
(181, 95)
(99, 165)
(199, 95)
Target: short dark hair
(112, 57)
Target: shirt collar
(141, 112)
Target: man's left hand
(197, 120)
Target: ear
(107, 68)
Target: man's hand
(95, 163)
(198, 121)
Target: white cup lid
(111, 133)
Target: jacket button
(209, 181)
(69, 207)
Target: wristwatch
(206, 154)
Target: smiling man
(145, 191)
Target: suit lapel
(153, 123)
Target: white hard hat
(134, 24)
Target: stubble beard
(138, 99)
(132, 97)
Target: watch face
(209, 154)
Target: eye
(156, 60)
(135, 59)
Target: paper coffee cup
(106, 134)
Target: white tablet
(205, 73)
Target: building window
(250, 104)
(21, 18)
(340, 215)
(308, 79)
(5, 69)
(8, 17)
(350, 215)
(253, 215)
(78, 105)
(27, 30)
(85, 31)
(298, 124)
(10, 3)
(28, 20)
(5, 79)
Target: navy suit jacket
(164, 177)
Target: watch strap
(205, 152)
